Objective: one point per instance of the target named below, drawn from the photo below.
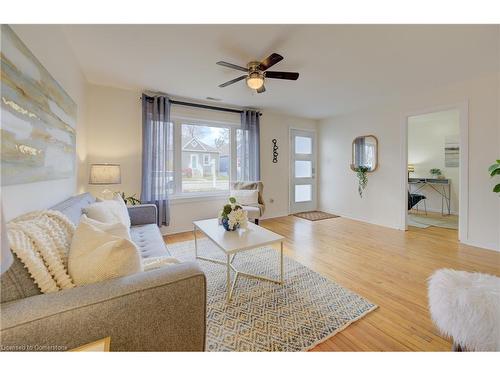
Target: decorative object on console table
(38, 118)
(495, 170)
(233, 216)
(436, 173)
(105, 174)
(275, 150)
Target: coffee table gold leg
(228, 276)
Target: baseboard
(363, 220)
(487, 246)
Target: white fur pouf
(466, 307)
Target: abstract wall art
(451, 151)
(38, 118)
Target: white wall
(426, 141)
(114, 135)
(276, 175)
(49, 45)
(382, 203)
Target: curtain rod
(205, 106)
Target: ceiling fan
(256, 72)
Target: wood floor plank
(387, 266)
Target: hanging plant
(361, 173)
(494, 170)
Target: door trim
(290, 165)
(463, 209)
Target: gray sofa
(157, 310)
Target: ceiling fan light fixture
(255, 80)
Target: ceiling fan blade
(232, 66)
(283, 75)
(269, 61)
(261, 89)
(232, 81)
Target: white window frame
(178, 121)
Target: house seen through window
(205, 158)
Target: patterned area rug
(264, 316)
(421, 221)
(315, 215)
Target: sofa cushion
(245, 197)
(98, 254)
(17, 283)
(110, 211)
(252, 212)
(73, 206)
(149, 241)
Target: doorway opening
(434, 169)
(302, 171)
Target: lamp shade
(411, 168)
(105, 174)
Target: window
(206, 159)
(303, 145)
(202, 157)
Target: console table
(440, 185)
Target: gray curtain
(249, 147)
(157, 142)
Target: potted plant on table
(232, 216)
(436, 173)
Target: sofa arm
(143, 214)
(157, 310)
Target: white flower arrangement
(233, 216)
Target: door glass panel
(303, 169)
(303, 145)
(303, 193)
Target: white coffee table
(232, 243)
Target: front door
(303, 171)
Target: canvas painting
(451, 152)
(38, 118)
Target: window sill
(204, 197)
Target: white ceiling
(342, 67)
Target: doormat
(315, 215)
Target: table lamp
(105, 174)
(411, 169)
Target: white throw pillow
(109, 211)
(96, 255)
(116, 229)
(246, 197)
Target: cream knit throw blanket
(41, 240)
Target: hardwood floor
(387, 266)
